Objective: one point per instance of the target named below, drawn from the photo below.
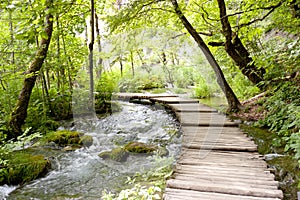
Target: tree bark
(121, 65)
(237, 51)
(100, 60)
(233, 102)
(132, 63)
(91, 60)
(11, 30)
(19, 113)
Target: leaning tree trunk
(19, 113)
(237, 51)
(232, 100)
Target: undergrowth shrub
(141, 82)
(202, 89)
(148, 185)
(283, 115)
(105, 87)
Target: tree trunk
(121, 65)
(61, 71)
(100, 61)
(237, 51)
(91, 60)
(70, 66)
(11, 30)
(233, 102)
(132, 63)
(19, 113)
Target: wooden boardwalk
(218, 161)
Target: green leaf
(44, 35)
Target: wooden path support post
(218, 161)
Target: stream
(82, 174)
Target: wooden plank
(220, 147)
(191, 107)
(229, 137)
(217, 135)
(130, 96)
(222, 163)
(234, 169)
(232, 188)
(207, 173)
(207, 156)
(173, 100)
(177, 194)
(211, 130)
(223, 179)
(218, 141)
(232, 182)
(210, 163)
(203, 119)
(228, 154)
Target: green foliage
(106, 86)
(283, 115)
(185, 76)
(243, 88)
(145, 186)
(137, 192)
(280, 55)
(293, 143)
(9, 160)
(202, 89)
(61, 108)
(141, 82)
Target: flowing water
(82, 174)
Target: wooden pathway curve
(218, 161)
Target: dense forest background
(54, 53)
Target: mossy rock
(118, 154)
(23, 167)
(139, 147)
(64, 138)
(86, 140)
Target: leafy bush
(202, 89)
(153, 183)
(280, 56)
(293, 143)
(18, 166)
(106, 86)
(141, 82)
(283, 114)
(185, 76)
(243, 88)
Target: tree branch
(254, 9)
(216, 44)
(259, 19)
